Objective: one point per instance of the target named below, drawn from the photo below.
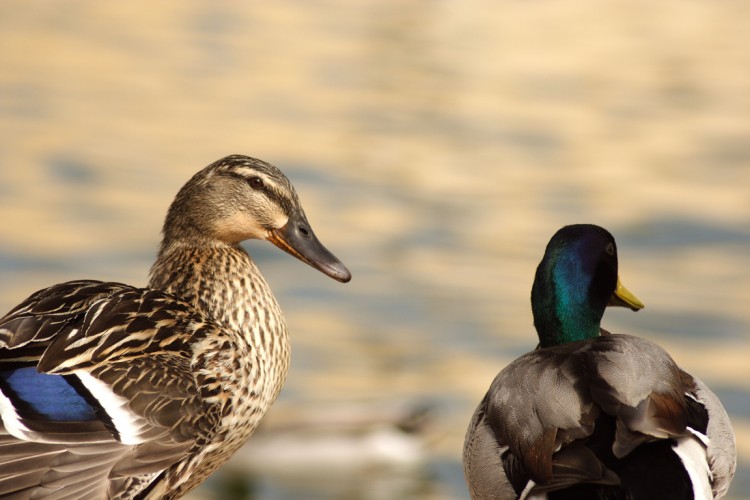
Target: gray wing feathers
(535, 410)
(722, 448)
(483, 466)
(638, 382)
(548, 398)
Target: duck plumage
(113, 391)
(591, 414)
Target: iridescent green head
(575, 281)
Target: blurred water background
(436, 146)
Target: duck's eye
(255, 182)
(610, 249)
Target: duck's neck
(561, 301)
(223, 282)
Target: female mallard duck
(112, 391)
(589, 414)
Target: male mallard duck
(113, 391)
(590, 414)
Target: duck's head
(239, 198)
(575, 281)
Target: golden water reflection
(436, 147)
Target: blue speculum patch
(50, 396)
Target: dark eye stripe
(269, 190)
